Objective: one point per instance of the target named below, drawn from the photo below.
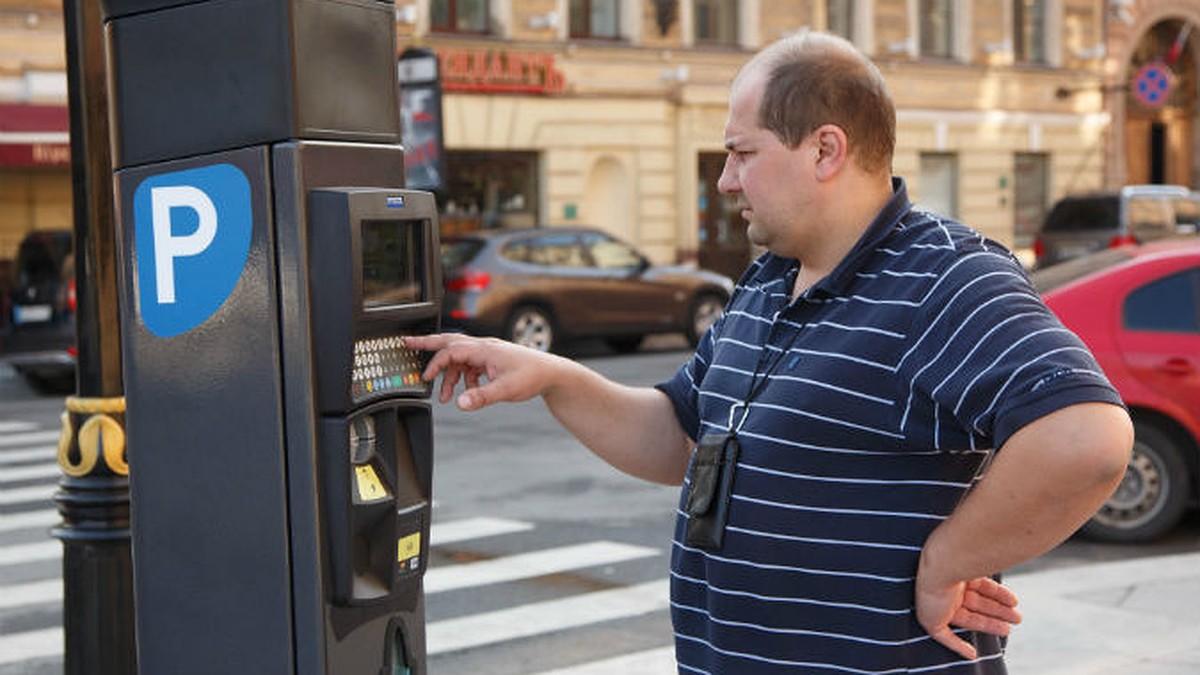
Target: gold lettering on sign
(498, 71)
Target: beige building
(610, 112)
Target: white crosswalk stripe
(31, 454)
(33, 593)
(34, 644)
(16, 474)
(649, 662)
(31, 494)
(28, 438)
(487, 628)
(26, 455)
(43, 518)
(528, 565)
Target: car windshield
(1050, 278)
(40, 259)
(1083, 214)
(458, 252)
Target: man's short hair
(814, 79)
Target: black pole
(93, 496)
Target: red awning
(34, 135)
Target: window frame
(587, 11)
(724, 7)
(452, 18)
(1030, 42)
(926, 46)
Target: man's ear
(832, 151)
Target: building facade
(610, 112)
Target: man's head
(814, 79)
(810, 135)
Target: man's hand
(490, 370)
(982, 605)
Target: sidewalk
(1131, 617)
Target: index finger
(428, 343)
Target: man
(885, 417)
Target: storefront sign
(34, 135)
(500, 71)
(35, 154)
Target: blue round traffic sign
(1152, 85)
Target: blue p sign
(192, 232)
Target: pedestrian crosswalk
(479, 595)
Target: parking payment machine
(271, 262)
(374, 423)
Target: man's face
(771, 182)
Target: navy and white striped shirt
(889, 383)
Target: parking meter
(271, 261)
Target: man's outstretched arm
(632, 428)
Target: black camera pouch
(710, 485)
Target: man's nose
(727, 183)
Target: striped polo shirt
(884, 390)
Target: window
(611, 254)
(716, 22)
(939, 183)
(1168, 305)
(839, 17)
(485, 190)
(595, 19)
(1031, 183)
(1029, 31)
(555, 250)
(459, 16)
(937, 28)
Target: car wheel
(705, 311)
(1151, 497)
(532, 327)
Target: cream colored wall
(32, 200)
(985, 143)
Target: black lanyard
(758, 381)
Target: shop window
(595, 19)
(485, 190)
(458, 16)
(1031, 185)
(939, 183)
(1029, 31)
(716, 22)
(937, 28)
(839, 17)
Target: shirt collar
(838, 281)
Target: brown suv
(1081, 224)
(540, 286)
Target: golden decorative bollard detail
(101, 434)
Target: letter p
(168, 247)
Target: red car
(1138, 310)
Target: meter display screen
(392, 252)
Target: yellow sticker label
(409, 547)
(370, 488)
